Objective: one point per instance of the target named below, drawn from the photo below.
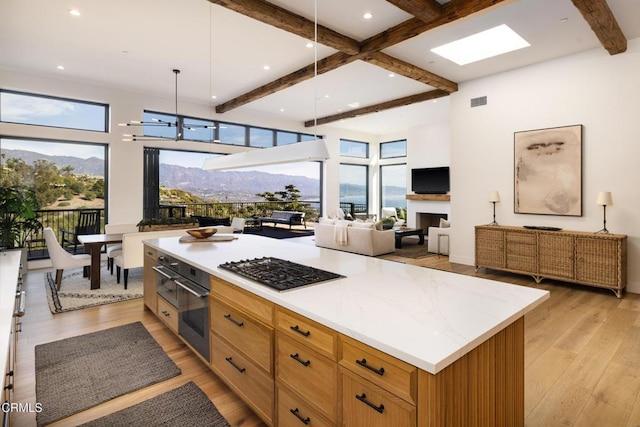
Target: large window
(393, 186)
(354, 186)
(354, 149)
(30, 109)
(65, 175)
(393, 149)
(260, 137)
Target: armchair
(438, 238)
(389, 212)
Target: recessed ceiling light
(309, 45)
(564, 20)
(391, 75)
(368, 15)
(74, 12)
(483, 45)
(60, 67)
(266, 67)
(354, 105)
(282, 110)
(326, 96)
(214, 97)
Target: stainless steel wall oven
(187, 289)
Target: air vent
(478, 102)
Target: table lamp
(494, 197)
(604, 200)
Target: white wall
(592, 88)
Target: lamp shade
(604, 199)
(494, 196)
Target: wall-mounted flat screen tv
(430, 180)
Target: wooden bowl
(202, 233)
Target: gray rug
(77, 373)
(184, 406)
(411, 249)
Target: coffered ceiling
(223, 46)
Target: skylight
(486, 44)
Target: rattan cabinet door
(596, 261)
(490, 248)
(522, 251)
(556, 255)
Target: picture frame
(548, 171)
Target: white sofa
(359, 240)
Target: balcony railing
(68, 218)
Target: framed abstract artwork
(548, 171)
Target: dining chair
(61, 259)
(237, 224)
(114, 248)
(88, 223)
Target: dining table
(93, 244)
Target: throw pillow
(378, 225)
(444, 223)
(363, 225)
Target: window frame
(393, 142)
(62, 99)
(351, 141)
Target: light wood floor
(582, 353)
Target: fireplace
(424, 220)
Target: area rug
(78, 373)
(411, 249)
(184, 406)
(278, 232)
(75, 292)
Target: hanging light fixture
(157, 122)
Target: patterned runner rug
(184, 406)
(75, 292)
(78, 373)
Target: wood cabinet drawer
(294, 411)
(168, 314)
(309, 374)
(245, 301)
(306, 331)
(247, 335)
(367, 405)
(252, 384)
(152, 253)
(392, 374)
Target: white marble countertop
(9, 270)
(425, 317)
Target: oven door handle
(188, 289)
(158, 270)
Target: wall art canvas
(548, 171)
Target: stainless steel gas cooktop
(279, 274)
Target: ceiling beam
(285, 20)
(425, 10)
(601, 20)
(327, 64)
(451, 11)
(400, 102)
(406, 69)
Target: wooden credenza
(593, 259)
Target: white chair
(237, 224)
(61, 259)
(114, 248)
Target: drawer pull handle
(296, 412)
(230, 360)
(166, 313)
(363, 398)
(300, 361)
(235, 322)
(297, 329)
(363, 363)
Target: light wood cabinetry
(242, 349)
(150, 289)
(594, 259)
(168, 314)
(306, 371)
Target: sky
(81, 150)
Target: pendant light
(156, 122)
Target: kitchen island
(458, 341)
